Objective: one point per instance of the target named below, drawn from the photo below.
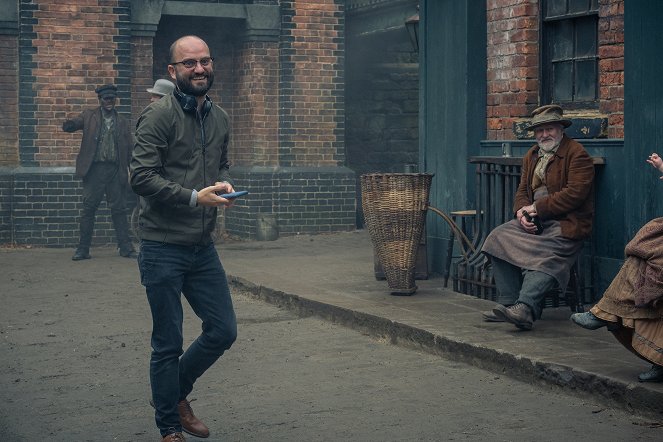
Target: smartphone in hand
(233, 195)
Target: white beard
(549, 146)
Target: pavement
(328, 276)
(332, 276)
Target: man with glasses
(103, 163)
(179, 167)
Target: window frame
(545, 56)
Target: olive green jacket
(175, 153)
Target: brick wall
(611, 64)
(288, 138)
(9, 98)
(312, 83)
(141, 76)
(64, 68)
(41, 207)
(306, 200)
(58, 70)
(513, 65)
(255, 105)
(512, 62)
(299, 140)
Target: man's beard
(549, 145)
(186, 86)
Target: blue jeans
(167, 271)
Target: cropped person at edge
(632, 306)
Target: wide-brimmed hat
(161, 87)
(107, 90)
(549, 114)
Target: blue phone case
(233, 195)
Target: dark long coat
(89, 121)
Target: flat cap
(106, 90)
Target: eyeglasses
(190, 63)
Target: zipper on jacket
(201, 120)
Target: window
(569, 56)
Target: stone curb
(610, 392)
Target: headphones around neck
(189, 103)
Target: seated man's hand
(528, 226)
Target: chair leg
(450, 251)
(575, 301)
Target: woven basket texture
(394, 207)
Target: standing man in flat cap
(552, 215)
(102, 164)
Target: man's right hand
(528, 226)
(208, 196)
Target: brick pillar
(255, 104)
(312, 63)
(9, 98)
(288, 120)
(611, 64)
(141, 75)
(513, 64)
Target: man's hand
(209, 196)
(656, 161)
(529, 227)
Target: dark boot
(81, 253)
(122, 234)
(83, 249)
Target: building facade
(279, 69)
(486, 64)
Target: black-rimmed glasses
(190, 63)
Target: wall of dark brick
(41, 207)
(304, 200)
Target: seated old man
(553, 210)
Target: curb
(610, 392)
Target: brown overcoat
(570, 183)
(89, 121)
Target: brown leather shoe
(174, 437)
(190, 423)
(518, 314)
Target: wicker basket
(395, 209)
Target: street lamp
(412, 26)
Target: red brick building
(519, 80)
(279, 74)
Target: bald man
(179, 167)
